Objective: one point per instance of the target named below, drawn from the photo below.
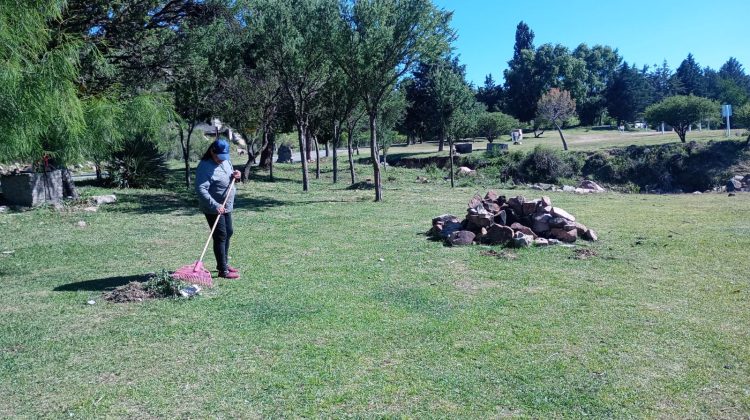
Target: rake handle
(216, 223)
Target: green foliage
(547, 165)
(742, 115)
(628, 94)
(162, 284)
(138, 164)
(681, 111)
(492, 125)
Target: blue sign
(726, 110)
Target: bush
(547, 165)
(139, 164)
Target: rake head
(194, 273)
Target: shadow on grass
(100, 285)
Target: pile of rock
(739, 183)
(518, 222)
(584, 187)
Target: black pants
(221, 237)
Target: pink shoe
(232, 275)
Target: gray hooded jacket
(211, 183)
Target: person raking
(213, 178)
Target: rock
(568, 188)
(491, 195)
(739, 177)
(522, 241)
(464, 171)
(583, 191)
(553, 241)
(581, 229)
(528, 208)
(3, 209)
(91, 302)
(541, 242)
(516, 203)
(478, 221)
(734, 185)
(104, 199)
(557, 222)
(81, 224)
(491, 207)
(564, 235)
(591, 185)
(443, 226)
(461, 237)
(590, 235)
(91, 209)
(498, 235)
(541, 223)
(697, 193)
(545, 202)
(558, 212)
(569, 227)
(523, 229)
(730, 194)
(284, 154)
(501, 218)
(476, 203)
(422, 180)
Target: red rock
(557, 211)
(564, 235)
(478, 221)
(491, 195)
(462, 237)
(523, 229)
(529, 207)
(498, 235)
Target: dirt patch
(158, 286)
(584, 254)
(505, 255)
(132, 292)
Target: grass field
(346, 309)
(578, 139)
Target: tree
(492, 125)
(491, 94)
(208, 56)
(681, 112)
(628, 94)
(662, 82)
(293, 37)
(383, 40)
(601, 64)
(521, 90)
(690, 78)
(556, 106)
(742, 116)
(454, 100)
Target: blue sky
(645, 32)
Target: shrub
(547, 165)
(139, 164)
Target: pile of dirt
(134, 291)
(518, 222)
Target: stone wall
(32, 189)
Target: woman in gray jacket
(212, 179)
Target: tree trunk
(308, 145)
(559, 130)
(681, 131)
(351, 155)
(440, 144)
(336, 139)
(266, 152)
(326, 145)
(375, 158)
(98, 170)
(317, 158)
(302, 134)
(450, 153)
(272, 140)
(69, 187)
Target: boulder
(558, 212)
(541, 242)
(545, 202)
(501, 218)
(104, 199)
(81, 224)
(522, 241)
(591, 185)
(478, 221)
(541, 223)
(557, 222)
(516, 203)
(443, 226)
(564, 235)
(464, 171)
(461, 237)
(498, 235)
(491, 195)
(529, 207)
(491, 207)
(590, 235)
(580, 229)
(568, 188)
(523, 229)
(734, 185)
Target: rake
(196, 272)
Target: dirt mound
(158, 286)
(132, 292)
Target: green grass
(320, 326)
(578, 139)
